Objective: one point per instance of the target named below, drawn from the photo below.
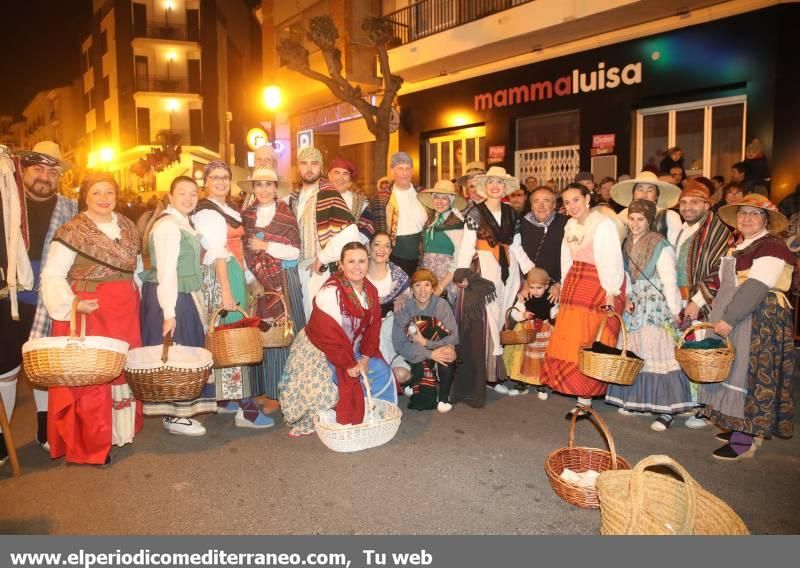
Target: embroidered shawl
(265, 267)
(708, 245)
(110, 256)
(307, 218)
(329, 337)
(333, 215)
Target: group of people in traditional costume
(406, 292)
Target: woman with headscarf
(654, 302)
(442, 235)
(224, 284)
(271, 252)
(751, 308)
(593, 281)
(492, 249)
(92, 261)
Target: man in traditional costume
(405, 215)
(325, 222)
(32, 211)
(342, 174)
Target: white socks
(8, 395)
(40, 397)
(585, 401)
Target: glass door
(448, 155)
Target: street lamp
(168, 6)
(272, 100)
(106, 156)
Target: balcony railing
(165, 84)
(164, 137)
(163, 30)
(429, 17)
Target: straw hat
(45, 152)
(265, 174)
(668, 194)
(511, 183)
(776, 221)
(473, 169)
(442, 187)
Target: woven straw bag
(581, 459)
(74, 361)
(362, 436)
(234, 347)
(705, 365)
(281, 331)
(644, 502)
(619, 369)
(167, 372)
(521, 336)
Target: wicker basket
(705, 365)
(362, 436)
(618, 369)
(647, 503)
(74, 361)
(164, 373)
(234, 347)
(581, 459)
(280, 332)
(520, 336)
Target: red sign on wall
(603, 140)
(496, 154)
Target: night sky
(40, 47)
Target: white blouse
(606, 249)
(214, 232)
(56, 292)
(766, 269)
(668, 273)
(327, 300)
(167, 244)
(264, 216)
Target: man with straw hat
(665, 195)
(325, 222)
(751, 309)
(30, 216)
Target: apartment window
(88, 103)
(103, 42)
(85, 64)
(106, 87)
(711, 134)
(108, 130)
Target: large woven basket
(234, 347)
(519, 336)
(74, 361)
(363, 436)
(648, 503)
(705, 365)
(580, 459)
(281, 331)
(167, 372)
(618, 369)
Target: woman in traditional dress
(751, 308)
(93, 257)
(654, 302)
(340, 341)
(272, 250)
(224, 284)
(593, 280)
(491, 248)
(172, 300)
(391, 282)
(442, 235)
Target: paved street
(471, 471)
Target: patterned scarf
(266, 268)
(423, 375)
(707, 246)
(499, 237)
(531, 218)
(639, 254)
(333, 215)
(365, 219)
(111, 256)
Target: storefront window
(548, 147)
(710, 133)
(448, 155)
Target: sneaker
(661, 423)
(499, 388)
(727, 453)
(408, 391)
(183, 426)
(696, 423)
(229, 407)
(444, 407)
(624, 412)
(261, 421)
(520, 388)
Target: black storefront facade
(690, 86)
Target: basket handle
(213, 320)
(73, 320)
(506, 319)
(700, 325)
(636, 493)
(587, 410)
(289, 323)
(369, 396)
(602, 326)
(165, 348)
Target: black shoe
(727, 453)
(724, 437)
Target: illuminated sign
(256, 137)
